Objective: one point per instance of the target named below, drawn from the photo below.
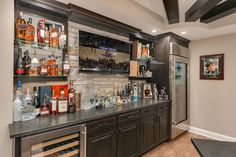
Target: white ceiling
(150, 15)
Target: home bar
(86, 84)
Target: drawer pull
(131, 116)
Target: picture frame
(212, 67)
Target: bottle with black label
(71, 99)
(36, 102)
(20, 70)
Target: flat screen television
(103, 54)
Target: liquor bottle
(62, 38)
(29, 35)
(54, 37)
(19, 63)
(27, 62)
(19, 89)
(28, 111)
(36, 102)
(44, 108)
(34, 67)
(62, 102)
(49, 62)
(53, 66)
(47, 37)
(66, 66)
(20, 27)
(71, 99)
(17, 107)
(43, 67)
(41, 32)
(59, 65)
(53, 104)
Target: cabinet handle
(131, 116)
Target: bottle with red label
(71, 99)
(20, 70)
(53, 104)
(62, 103)
(41, 32)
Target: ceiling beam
(200, 8)
(172, 10)
(224, 9)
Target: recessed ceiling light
(154, 31)
(183, 33)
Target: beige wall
(213, 105)
(6, 79)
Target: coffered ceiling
(150, 15)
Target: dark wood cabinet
(163, 126)
(101, 144)
(128, 140)
(148, 133)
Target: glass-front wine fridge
(66, 142)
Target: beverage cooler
(66, 142)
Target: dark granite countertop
(49, 123)
(210, 148)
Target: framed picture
(212, 67)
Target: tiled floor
(180, 147)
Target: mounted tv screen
(103, 54)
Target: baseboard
(211, 134)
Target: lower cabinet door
(148, 133)
(101, 144)
(164, 126)
(128, 140)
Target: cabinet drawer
(149, 111)
(128, 117)
(163, 108)
(106, 123)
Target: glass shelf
(142, 59)
(139, 78)
(35, 46)
(27, 78)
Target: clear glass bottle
(36, 102)
(41, 32)
(59, 66)
(34, 68)
(62, 102)
(30, 31)
(54, 37)
(53, 104)
(17, 108)
(28, 110)
(20, 27)
(62, 38)
(71, 99)
(66, 66)
(44, 107)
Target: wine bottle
(20, 70)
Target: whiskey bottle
(20, 27)
(53, 67)
(71, 99)
(62, 102)
(59, 65)
(19, 63)
(54, 37)
(53, 104)
(62, 38)
(43, 67)
(66, 66)
(47, 37)
(44, 109)
(36, 102)
(29, 36)
(41, 32)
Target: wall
(6, 79)
(212, 103)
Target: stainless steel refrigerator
(179, 89)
